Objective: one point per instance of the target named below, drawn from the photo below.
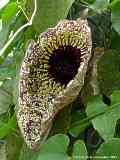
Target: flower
(51, 76)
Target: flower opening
(51, 76)
(64, 64)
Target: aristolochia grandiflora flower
(51, 76)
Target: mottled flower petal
(51, 76)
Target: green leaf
(79, 151)
(8, 128)
(54, 148)
(115, 17)
(104, 117)
(95, 106)
(49, 13)
(109, 150)
(79, 124)
(9, 11)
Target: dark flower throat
(64, 64)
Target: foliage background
(90, 126)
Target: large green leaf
(79, 151)
(109, 150)
(54, 148)
(49, 13)
(104, 117)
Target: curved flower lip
(40, 96)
